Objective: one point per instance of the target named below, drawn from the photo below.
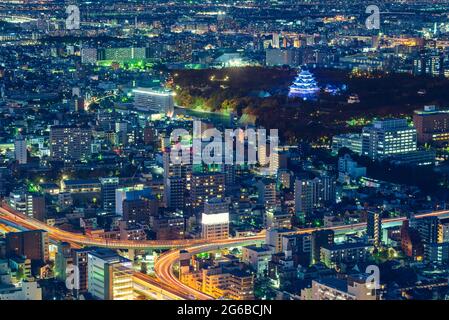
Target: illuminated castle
(304, 86)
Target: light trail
(165, 263)
(166, 278)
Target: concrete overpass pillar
(131, 254)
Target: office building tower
(80, 261)
(63, 260)
(32, 244)
(276, 218)
(20, 150)
(411, 243)
(130, 193)
(168, 227)
(275, 40)
(108, 187)
(350, 141)
(267, 193)
(215, 220)
(140, 210)
(280, 57)
(428, 229)
(385, 138)
(320, 239)
(438, 253)
(434, 64)
(206, 186)
(30, 204)
(313, 193)
(156, 99)
(374, 227)
(304, 196)
(70, 143)
(230, 172)
(349, 169)
(443, 230)
(149, 135)
(278, 160)
(174, 192)
(177, 179)
(109, 275)
(432, 125)
(89, 55)
(284, 179)
(298, 247)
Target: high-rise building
(215, 220)
(280, 57)
(174, 192)
(320, 239)
(385, 138)
(63, 258)
(70, 143)
(33, 244)
(275, 40)
(168, 227)
(411, 243)
(304, 200)
(278, 160)
(432, 125)
(428, 229)
(149, 135)
(152, 99)
(80, 261)
(374, 227)
(109, 275)
(312, 193)
(30, 204)
(89, 55)
(108, 187)
(351, 141)
(140, 210)
(434, 64)
(267, 193)
(177, 179)
(20, 150)
(298, 248)
(206, 186)
(130, 193)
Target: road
(8, 214)
(164, 264)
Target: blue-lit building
(304, 86)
